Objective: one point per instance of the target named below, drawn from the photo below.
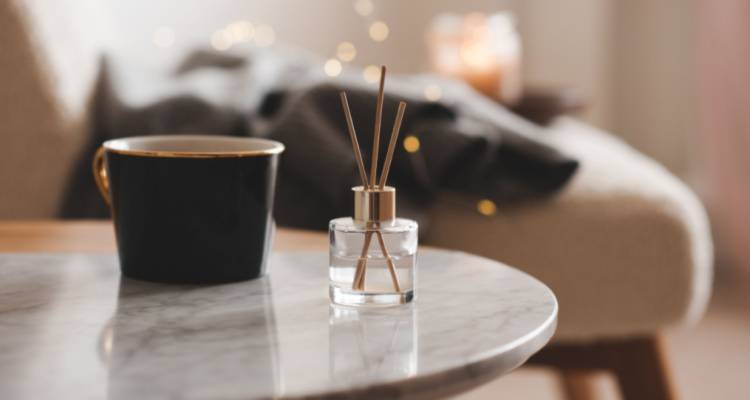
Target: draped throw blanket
(461, 143)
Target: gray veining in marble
(71, 328)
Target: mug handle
(100, 175)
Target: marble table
(72, 328)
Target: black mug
(190, 208)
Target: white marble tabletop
(72, 328)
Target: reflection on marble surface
(71, 328)
(199, 340)
(366, 343)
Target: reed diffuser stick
(359, 272)
(392, 144)
(353, 137)
(389, 260)
(376, 133)
(383, 179)
(358, 282)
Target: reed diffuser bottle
(373, 255)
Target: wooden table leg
(638, 365)
(578, 385)
(641, 371)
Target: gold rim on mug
(117, 146)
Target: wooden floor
(709, 361)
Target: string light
(241, 31)
(411, 144)
(486, 207)
(346, 51)
(433, 92)
(363, 7)
(163, 37)
(264, 35)
(332, 67)
(108, 340)
(221, 40)
(379, 31)
(371, 73)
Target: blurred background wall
(634, 60)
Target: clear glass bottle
(373, 256)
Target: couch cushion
(626, 246)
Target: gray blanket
(467, 143)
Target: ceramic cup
(190, 208)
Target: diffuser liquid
(377, 286)
(377, 274)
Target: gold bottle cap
(374, 205)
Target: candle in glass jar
(484, 51)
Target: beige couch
(626, 247)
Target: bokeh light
(433, 92)
(163, 37)
(221, 40)
(379, 31)
(371, 73)
(486, 207)
(363, 7)
(241, 31)
(346, 51)
(411, 144)
(332, 67)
